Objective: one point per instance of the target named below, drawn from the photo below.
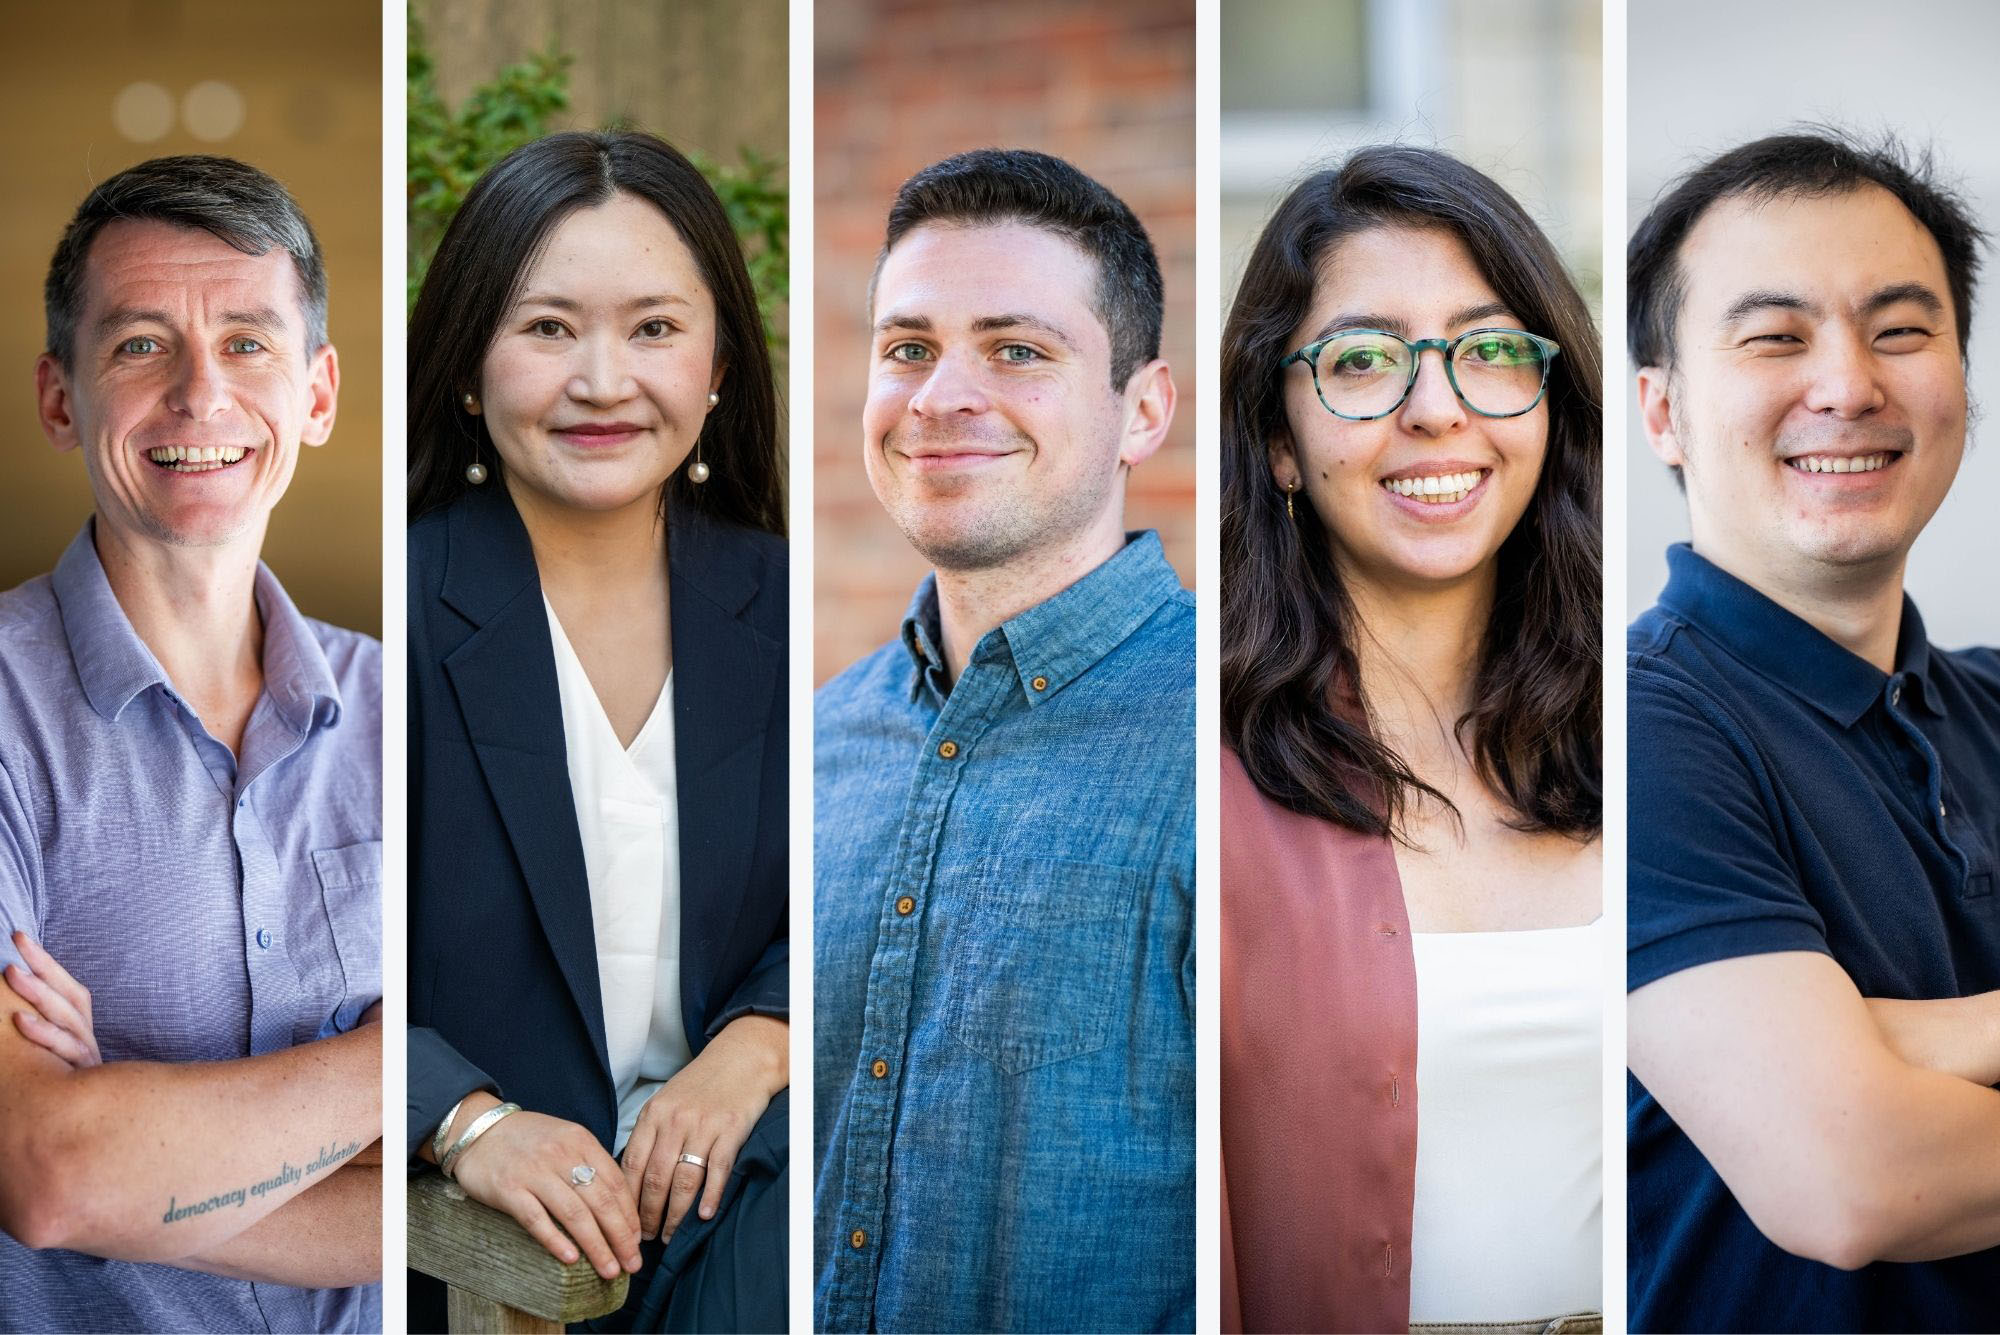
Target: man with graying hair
(190, 803)
(1814, 878)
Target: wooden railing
(501, 1281)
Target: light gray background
(1706, 75)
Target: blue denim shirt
(1003, 1022)
(217, 906)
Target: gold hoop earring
(1289, 513)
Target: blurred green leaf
(449, 151)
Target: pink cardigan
(1319, 1060)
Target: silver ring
(694, 1159)
(582, 1175)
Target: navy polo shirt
(1788, 795)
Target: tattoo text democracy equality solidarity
(285, 1176)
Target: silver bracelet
(444, 1129)
(480, 1126)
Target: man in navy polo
(1814, 1025)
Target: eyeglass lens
(1363, 373)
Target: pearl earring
(475, 472)
(698, 471)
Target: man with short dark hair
(1814, 1018)
(1004, 820)
(190, 803)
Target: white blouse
(1509, 1211)
(628, 814)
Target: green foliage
(449, 151)
(759, 208)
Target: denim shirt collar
(114, 665)
(1789, 650)
(1059, 638)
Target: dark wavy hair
(486, 252)
(1291, 705)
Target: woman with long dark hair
(597, 749)
(1411, 790)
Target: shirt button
(947, 749)
(906, 906)
(1896, 694)
(880, 1068)
(857, 1239)
(263, 938)
(1040, 683)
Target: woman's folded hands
(688, 1136)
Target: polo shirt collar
(1787, 649)
(1059, 638)
(114, 665)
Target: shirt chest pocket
(1041, 956)
(350, 884)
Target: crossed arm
(1850, 1130)
(226, 1167)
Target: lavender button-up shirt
(216, 907)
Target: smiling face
(596, 384)
(1817, 405)
(190, 386)
(991, 429)
(1424, 496)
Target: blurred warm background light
(294, 90)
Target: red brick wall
(901, 83)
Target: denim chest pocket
(350, 884)
(1040, 959)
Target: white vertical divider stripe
(1208, 648)
(1617, 391)
(799, 411)
(395, 675)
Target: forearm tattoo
(329, 1157)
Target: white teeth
(1438, 489)
(188, 456)
(1828, 463)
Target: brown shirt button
(1040, 683)
(857, 1239)
(906, 906)
(880, 1068)
(947, 749)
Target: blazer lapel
(505, 679)
(724, 674)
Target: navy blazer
(503, 959)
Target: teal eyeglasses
(1363, 374)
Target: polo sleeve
(1708, 873)
(18, 863)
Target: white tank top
(628, 814)
(1510, 1136)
